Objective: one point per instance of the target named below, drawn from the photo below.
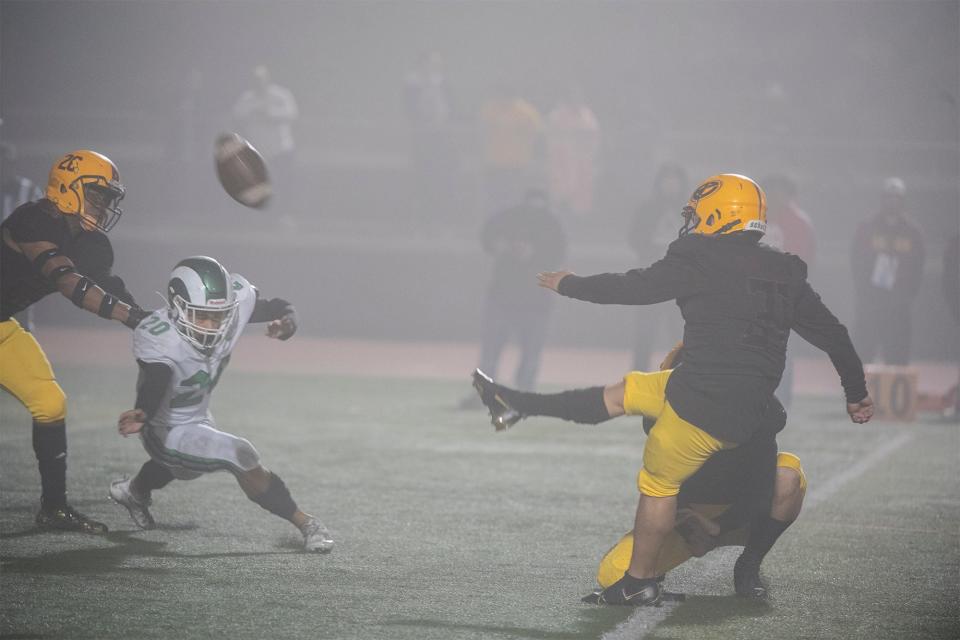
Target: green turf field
(447, 530)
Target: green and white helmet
(201, 301)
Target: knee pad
(247, 456)
(48, 403)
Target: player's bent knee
(49, 403)
(656, 485)
(792, 473)
(248, 458)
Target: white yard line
(644, 620)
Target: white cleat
(316, 538)
(138, 507)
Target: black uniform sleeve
(676, 275)
(152, 384)
(268, 310)
(818, 326)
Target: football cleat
(631, 592)
(66, 518)
(746, 579)
(316, 537)
(502, 415)
(137, 507)
(665, 596)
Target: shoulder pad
(155, 338)
(30, 223)
(242, 287)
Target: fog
(838, 95)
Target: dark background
(839, 94)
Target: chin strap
(690, 221)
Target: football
(242, 171)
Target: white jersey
(187, 398)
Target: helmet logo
(705, 190)
(70, 163)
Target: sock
(50, 446)
(763, 535)
(277, 499)
(152, 475)
(585, 406)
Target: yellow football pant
(675, 448)
(26, 373)
(674, 551)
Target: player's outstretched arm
(551, 279)
(76, 287)
(280, 316)
(674, 276)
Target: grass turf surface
(447, 530)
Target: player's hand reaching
(283, 328)
(131, 422)
(862, 411)
(551, 279)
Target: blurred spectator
(951, 293)
(15, 191)
(265, 114)
(887, 259)
(788, 228)
(572, 147)
(512, 130)
(522, 240)
(951, 276)
(429, 108)
(655, 225)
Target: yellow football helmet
(725, 203)
(87, 184)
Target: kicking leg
(267, 490)
(587, 406)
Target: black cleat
(746, 579)
(665, 596)
(632, 592)
(66, 518)
(502, 415)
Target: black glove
(135, 316)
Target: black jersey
(739, 300)
(22, 284)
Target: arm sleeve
(267, 310)
(674, 276)
(818, 326)
(152, 384)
